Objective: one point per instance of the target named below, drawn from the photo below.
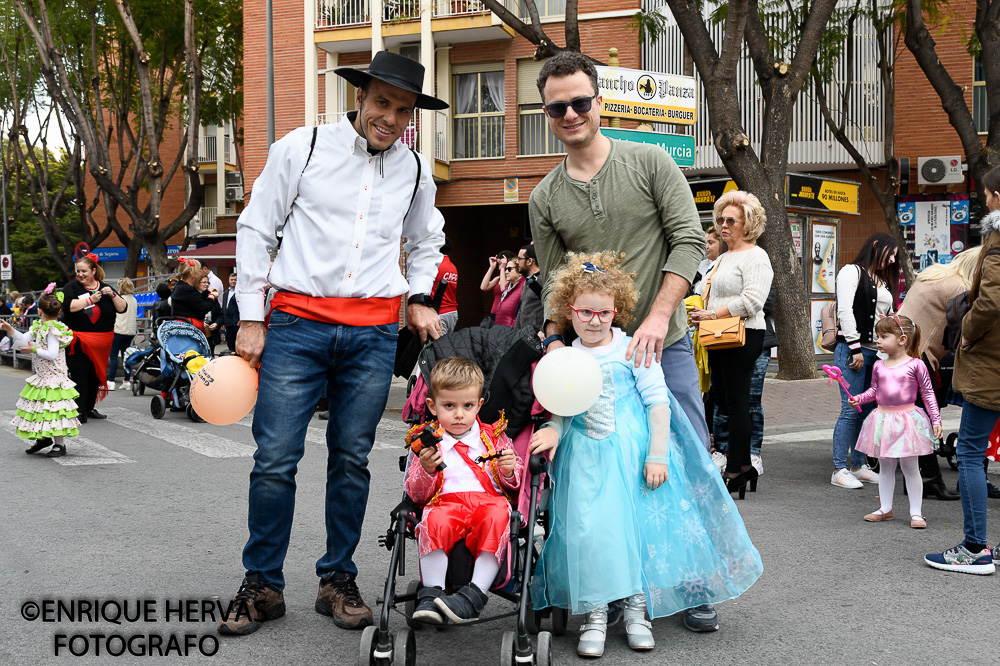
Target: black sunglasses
(581, 105)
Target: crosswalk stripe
(79, 450)
(186, 437)
(389, 435)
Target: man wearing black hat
(339, 197)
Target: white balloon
(567, 381)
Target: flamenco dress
(47, 406)
(682, 545)
(898, 428)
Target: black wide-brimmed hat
(396, 70)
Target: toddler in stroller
(471, 537)
(178, 352)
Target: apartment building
(492, 146)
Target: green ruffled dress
(47, 406)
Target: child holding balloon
(639, 512)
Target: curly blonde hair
(754, 217)
(572, 279)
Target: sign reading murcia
(649, 96)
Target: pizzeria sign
(649, 96)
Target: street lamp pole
(270, 75)
(3, 189)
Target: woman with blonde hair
(188, 299)
(737, 287)
(126, 326)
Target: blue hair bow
(590, 268)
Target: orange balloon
(225, 390)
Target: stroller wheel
(950, 445)
(404, 648)
(369, 638)
(507, 643)
(543, 649)
(158, 407)
(560, 616)
(410, 607)
(193, 415)
(142, 389)
(135, 387)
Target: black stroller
(168, 366)
(506, 356)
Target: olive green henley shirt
(639, 203)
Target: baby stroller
(178, 347)
(506, 356)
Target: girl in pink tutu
(898, 431)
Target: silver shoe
(637, 628)
(592, 634)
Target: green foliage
(648, 26)
(33, 262)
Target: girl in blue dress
(638, 510)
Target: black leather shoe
(39, 445)
(426, 611)
(463, 606)
(94, 414)
(324, 416)
(992, 491)
(937, 490)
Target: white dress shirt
(459, 477)
(340, 222)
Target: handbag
(829, 326)
(719, 334)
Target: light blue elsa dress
(682, 545)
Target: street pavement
(153, 513)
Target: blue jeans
(301, 357)
(681, 373)
(118, 347)
(720, 421)
(845, 433)
(973, 438)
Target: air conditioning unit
(234, 194)
(939, 170)
(234, 179)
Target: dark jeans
(720, 422)
(231, 332)
(732, 375)
(973, 440)
(82, 372)
(302, 358)
(118, 347)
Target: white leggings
(887, 482)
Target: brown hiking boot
(339, 598)
(253, 604)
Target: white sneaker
(757, 463)
(720, 460)
(126, 386)
(111, 386)
(865, 475)
(845, 479)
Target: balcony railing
(208, 215)
(342, 13)
(441, 149)
(345, 13)
(208, 149)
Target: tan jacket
(927, 304)
(977, 364)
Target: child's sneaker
(463, 606)
(865, 474)
(961, 560)
(426, 611)
(845, 479)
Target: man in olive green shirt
(628, 197)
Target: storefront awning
(217, 254)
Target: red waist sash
(97, 347)
(348, 311)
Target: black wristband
(551, 338)
(419, 299)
